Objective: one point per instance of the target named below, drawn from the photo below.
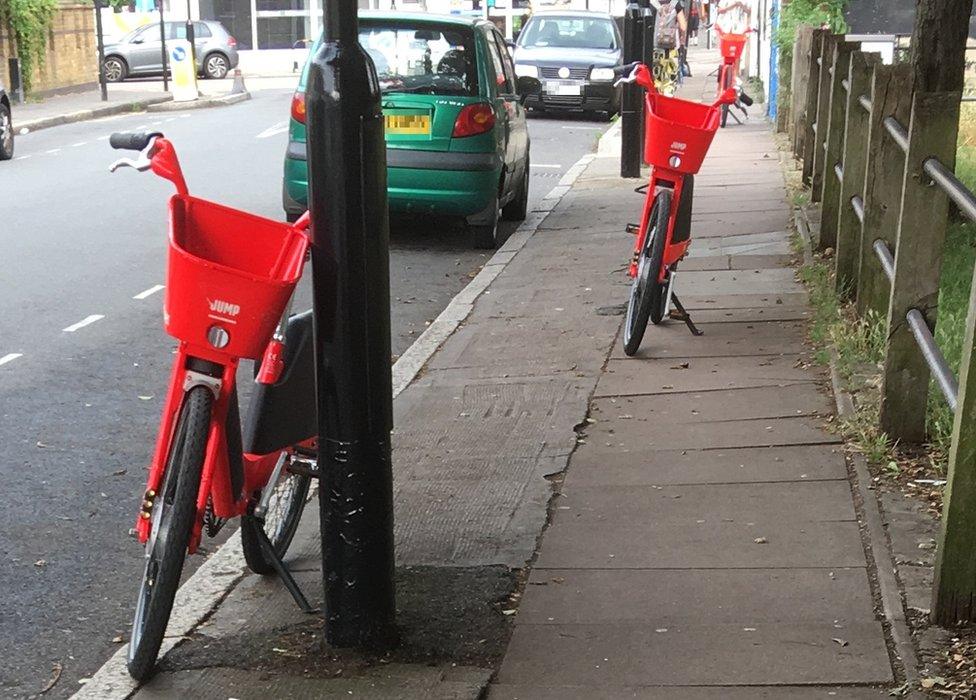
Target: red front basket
(731, 45)
(230, 269)
(678, 132)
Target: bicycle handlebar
(626, 69)
(132, 140)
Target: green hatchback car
(456, 134)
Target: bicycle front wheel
(173, 515)
(289, 492)
(647, 291)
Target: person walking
(695, 13)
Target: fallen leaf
(41, 444)
(117, 639)
(761, 540)
(40, 563)
(838, 640)
(55, 676)
(509, 612)
(146, 398)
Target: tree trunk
(939, 44)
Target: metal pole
(351, 297)
(102, 83)
(189, 35)
(162, 44)
(630, 100)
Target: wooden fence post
(933, 132)
(954, 592)
(855, 159)
(801, 76)
(834, 143)
(822, 116)
(891, 95)
(810, 103)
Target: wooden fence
(880, 157)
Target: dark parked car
(140, 51)
(6, 127)
(573, 54)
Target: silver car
(140, 51)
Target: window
(569, 32)
(146, 34)
(177, 30)
(421, 57)
(505, 86)
(506, 63)
(201, 31)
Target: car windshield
(568, 32)
(423, 58)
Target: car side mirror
(137, 40)
(510, 43)
(527, 85)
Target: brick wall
(72, 54)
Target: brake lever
(632, 78)
(143, 163)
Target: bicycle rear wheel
(279, 522)
(173, 515)
(646, 292)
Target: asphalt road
(84, 360)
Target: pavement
(573, 523)
(79, 408)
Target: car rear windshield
(569, 33)
(424, 58)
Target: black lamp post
(351, 288)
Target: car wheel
(115, 69)
(484, 232)
(519, 206)
(6, 133)
(216, 66)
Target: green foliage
(829, 13)
(31, 22)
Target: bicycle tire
(174, 514)
(282, 528)
(646, 291)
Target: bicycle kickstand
(283, 573)
(682, 315)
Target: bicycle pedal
(633, 229)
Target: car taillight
(232, 42)
(298, 107)
(474, 119)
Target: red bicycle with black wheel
(731, 47)
(677, 136)
(230, 279)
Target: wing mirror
(527, 85)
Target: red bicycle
(731, 47)
(678, 134)
(229, 283)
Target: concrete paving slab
(735, 205)
(733, 282)
(627, 377)
(694, 301)
(763, 505)
(690, 596)
(769, 243)
(389, 682)
(739, 262)
(715, 545)
(771, 401)
(601, 655)
(750, 315)
(720, 339)
(508, 691)
(594, 464)
(763, 432)
(710, 225)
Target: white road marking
(156, 123)
(10, 357)
(53, 151)
(279, 128)
(103, 138)
(22, 157)
(588, 128)
(185, 116)
(80, 143)
(169, 119)
(149, 292)
(141, 127)
(87, 321)
(547, 165)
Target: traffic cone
(238, 83)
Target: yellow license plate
(407, 124)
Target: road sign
(183, 71)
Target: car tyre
(6, 133)
(115, 68)
(216, 66)
(484, 233)
(517, 209)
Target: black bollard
(630, 100)
(351, 295)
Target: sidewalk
(703, 541)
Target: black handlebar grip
(627, 69)
(132, 140)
